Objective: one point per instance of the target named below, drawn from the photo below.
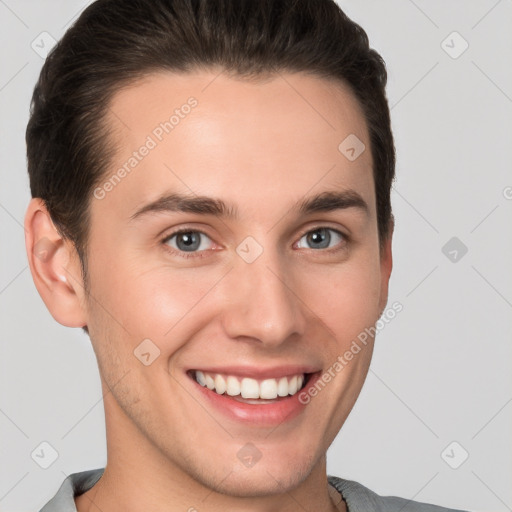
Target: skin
(261, 146)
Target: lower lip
(265, 414)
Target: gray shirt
(357, 496)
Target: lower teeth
(239, 398)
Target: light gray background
(442, 368)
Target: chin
(263, 482)
(273, 474)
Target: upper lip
(258, 372)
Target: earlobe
(55, 267)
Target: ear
(386, 265)
(55, 267)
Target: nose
(260, 301)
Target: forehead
(205, 133)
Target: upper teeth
(250, 388)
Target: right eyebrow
(181, 203)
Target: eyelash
(202, 254)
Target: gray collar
(358, 497)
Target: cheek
(132, 305)
(148, 300)
(345, 297)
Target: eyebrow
(203, 205)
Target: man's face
(270, 293)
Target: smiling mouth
(249, 390)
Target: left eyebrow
(333, 200)
(324, 202)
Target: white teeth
(249, 388)
(220, 384)
(282, 387)
(292, 385)
(210, 383)
(233, 386)
(267, 389)
(200, 377)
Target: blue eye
(321, 238)
(187, 241)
